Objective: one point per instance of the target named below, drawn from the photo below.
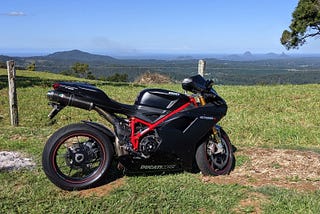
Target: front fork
(215, 129)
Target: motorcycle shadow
(117, 172)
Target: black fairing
(158, 162)
(162, 99)
(180, 136)
(83, 89)
(153, 103)
(195, 84)
(182, 133)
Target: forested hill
(79, 56)
(246, 69)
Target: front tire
(77, 156)
(215, 159)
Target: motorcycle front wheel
(216, 158)
(77, 156)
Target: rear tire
(220, 163)
(77, 156)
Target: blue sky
(129, 27)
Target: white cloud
(14, 13)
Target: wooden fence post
(201, 67)
(13, 101)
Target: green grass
(289, 201)
(279, 116)
(30, 192)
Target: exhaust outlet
(69, 100)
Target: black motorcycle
(164, 131)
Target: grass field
(277, 116)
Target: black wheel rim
(218, 161)
(79, 158)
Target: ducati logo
(155, 167)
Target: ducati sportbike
(163, 131)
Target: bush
(3, 65)
(118, 78)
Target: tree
(31, 66)
(80, 69)
(3, 65)
(90, 76)
(305, 23)
(118, 78)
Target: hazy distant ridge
(240, 69)
(77, 55)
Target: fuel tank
(155, 103)
(161, 99)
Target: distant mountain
(61, 61)
(77, 55)
(238, 69)
(248, 56)
(184, 57)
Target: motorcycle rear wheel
(77, 156)
(221, 163)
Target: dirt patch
(152, 78)
(102, 190)
(290, 169)
(251, 204)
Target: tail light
(56, 85)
